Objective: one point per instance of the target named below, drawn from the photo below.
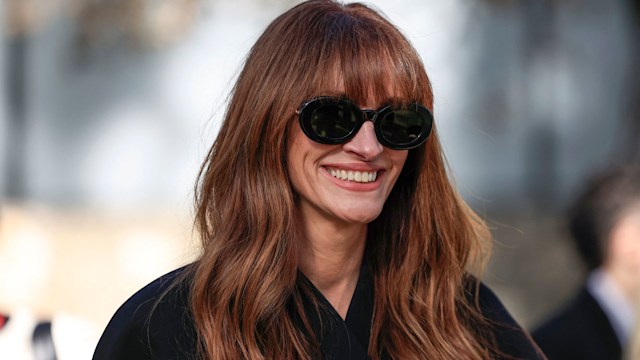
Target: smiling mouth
(355, 176)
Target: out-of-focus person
(599, 321)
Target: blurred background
(107, 108)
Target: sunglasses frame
(307, 109)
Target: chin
(360, 216)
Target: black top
(580, 331)
(144, 328)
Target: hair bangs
(373, 73)
(360, 55)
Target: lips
(353, 175)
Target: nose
(365, 143)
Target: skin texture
(334, 213)
(623, 261)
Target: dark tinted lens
(333, 121)
(402, 127)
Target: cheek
(295, 150)
(294, 167)
(398, 159)
(627, 241)
(301, 157)
(402, 157)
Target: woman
(325, 235)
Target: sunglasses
(335, 120)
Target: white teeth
(357, 176)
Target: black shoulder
(154, 323)
(563, 335)
(512, 340)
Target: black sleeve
(155, 323)
(512, 340)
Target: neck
(628, 283)
(330, 257)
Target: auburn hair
(246, 280)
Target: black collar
(342, 339)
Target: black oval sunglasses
(334, 120)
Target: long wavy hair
(246, 284)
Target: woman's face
(321, 175)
